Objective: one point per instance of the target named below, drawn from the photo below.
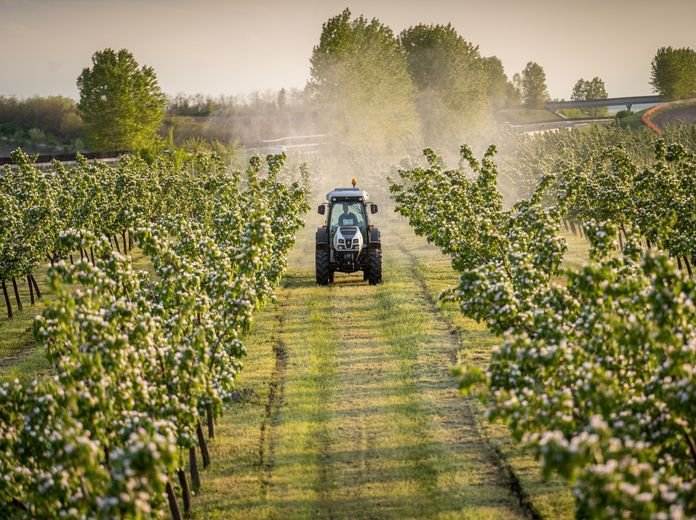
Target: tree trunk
(36, 286)
(211, 421)
(7, 299)
(16, 291)
(688, 266)
(173, 504)
(621, 248)
(91, 251)
(118, 248)
(185, 491)
(72, 262)
(31, 290)
(195, 475)
(130, 241)
(679, 263)
(125, 246)
(203, 445)
(82, 253)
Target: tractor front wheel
(322, 267)
(374, 273)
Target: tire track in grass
(454, 472)
(366, 463)
(302, 480)
(537, 496)
(324, 372)
(276, 392)
(472, 414)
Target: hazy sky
(235, 47)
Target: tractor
(347, 242)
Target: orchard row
(139, 358)
(595, 367)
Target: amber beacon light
(354, 181)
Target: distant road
(533, 128)
(609, 102)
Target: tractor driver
(347, 218)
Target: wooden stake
(36, 286)
(31, 290)
(203, 445)
(16, 291)
(195, 475)
(173, 504)
(7, 299)
(185, 491)
(211, 421)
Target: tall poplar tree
(451, 80)
(534, 93)
(360, 83)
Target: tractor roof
(342, 194)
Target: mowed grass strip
(453, 475)
(550, 498)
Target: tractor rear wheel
(374, 273)
(322, 267)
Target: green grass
(368, 422)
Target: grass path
(349, 410)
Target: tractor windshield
(347, 214)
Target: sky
(235, 47)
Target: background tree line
(368, 87)
(52, 120)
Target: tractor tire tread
(323, 269)
(374, 274)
